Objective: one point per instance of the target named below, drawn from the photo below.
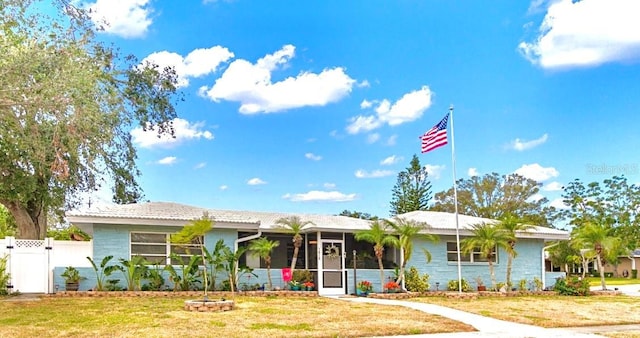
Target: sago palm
(378, 235)
(262, 247)
(486, 239)
(294, 226)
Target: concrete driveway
(629, 290)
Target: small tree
(486, 239)
(193, 233)
(407, 232)
(378, 235)
(294, 226)
(412, 190)
(512, 225)
(262, 247)
(595, 237)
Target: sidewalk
(487, 327)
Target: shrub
(302, 276)
(452, 285)
(522, 284)
(4, 276)
(537, 284)
(573, 286)
(634, 273)
(415, 282)
(608, 274)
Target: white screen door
(331, 267)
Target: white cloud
(391, 141)
(256, 181)
(322, 196)
(313, 156)
(198, 62)
(364, 84)
(434, 171)
(251, 85)
(586, 33)
(535, 197)
(366, 104)
(328, 185)
(125, 18)
(408, 108)
(558, 204)
(223, 187)
(472, 172)
(374, 174)
(183, 131)
(200, 165)
(373, 138)
(169, 160)
(537, 172)
(521, 145)
(553, 186)
(393, 159)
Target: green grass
(595, 281)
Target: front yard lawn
(253, 317)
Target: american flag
(436, 136)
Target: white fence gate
(30, 262)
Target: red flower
(391, 285)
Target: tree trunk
(509, 265)
(295, 258)
(492, 274)
(601, 269)
(32, 223)
(381, 273)
(269, 277)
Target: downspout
(544, 277)
(244, 239)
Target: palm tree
(595, 237)
(512, 225)
(486, 239)
(377, 235)
(408, 231)
(262, 247)
(294, 226)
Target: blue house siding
(114, 240)
(526, 265)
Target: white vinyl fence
(30, 262)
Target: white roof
(175, 214)
(444, 223)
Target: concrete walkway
(487, 327)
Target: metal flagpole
(455, 198)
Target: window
(473, 257)
(157, 247)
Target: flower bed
(216, 294)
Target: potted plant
(72, 278)
(294, 285)
(308, 285)
(364, 287)
(392, 287)
(480, 282)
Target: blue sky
(315, 106)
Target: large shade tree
(294, 226)
(495, 196)
(67, 105)
(380, 236)
(412, 190)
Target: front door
(331, 267)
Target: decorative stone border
(209, 306)
(196, 294)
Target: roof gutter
(543, 266)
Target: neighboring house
(144, 229)
(627, 264)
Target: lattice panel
(29, 243)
